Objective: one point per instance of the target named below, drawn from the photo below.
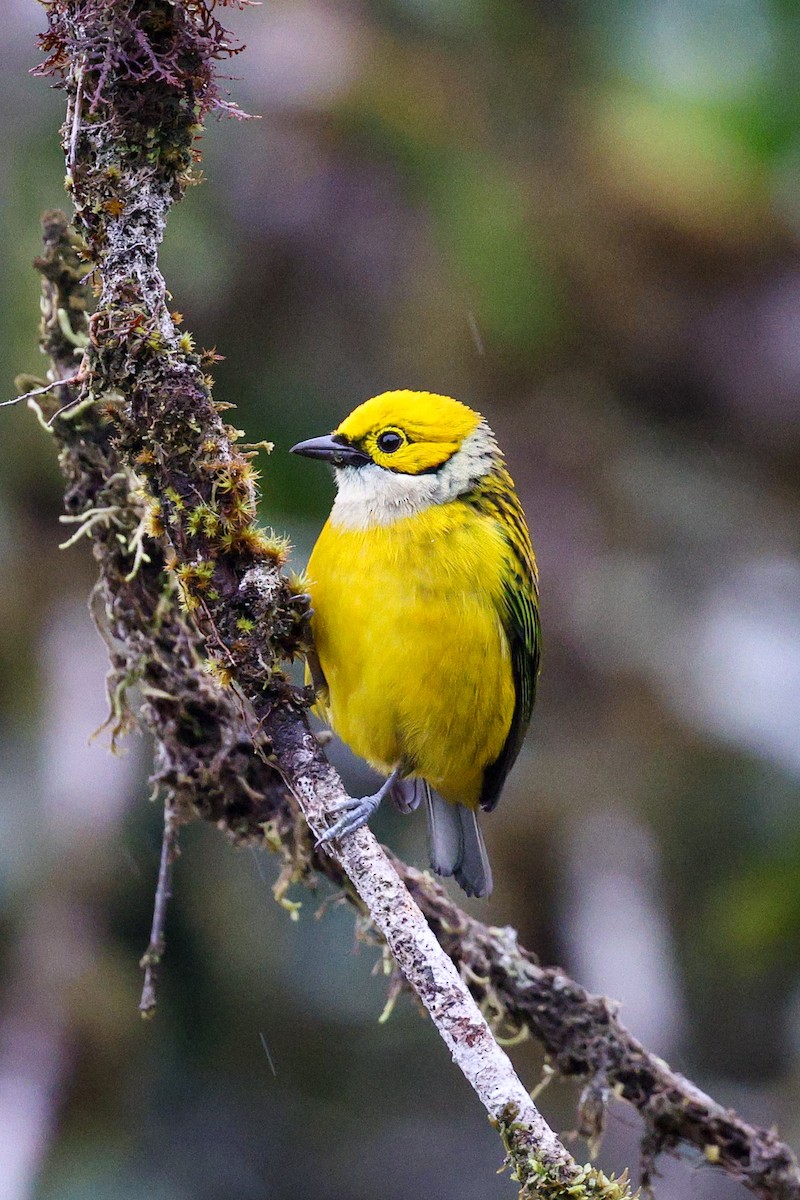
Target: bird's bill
(332, 450)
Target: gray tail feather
(474, 873)
(444, 829)
(457, 845)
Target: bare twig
(42, 391)
(152, 956)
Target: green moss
(587, 1183)
(541, 1180)
(202, 520)
(174, 498)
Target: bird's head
(402, 451)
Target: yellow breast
(407, 628)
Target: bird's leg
(357, 810)
(408, 793)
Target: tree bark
(200, 615)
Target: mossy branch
(198, 612)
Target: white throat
(370, 495)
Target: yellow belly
(406, 625)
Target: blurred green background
(584, 220)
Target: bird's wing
(315, 676)
(520, 616)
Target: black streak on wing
(318, 680)
(521, 622)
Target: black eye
(389, 441)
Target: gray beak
(333, 449)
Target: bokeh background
(583, 219)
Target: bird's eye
(389, 441)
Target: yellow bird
(425, 618)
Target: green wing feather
(520, 617)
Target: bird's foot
(355, 811)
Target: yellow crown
(433, 427)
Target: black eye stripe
(389, 441)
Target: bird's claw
(356, 811)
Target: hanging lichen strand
(140, 77)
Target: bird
(424, 617)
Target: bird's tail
(457, 844)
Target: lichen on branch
(204, 746)
(147, 70)
(140, 76)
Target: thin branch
(584, 1038)
(419, 956)
(42, 391)
(152, 956)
